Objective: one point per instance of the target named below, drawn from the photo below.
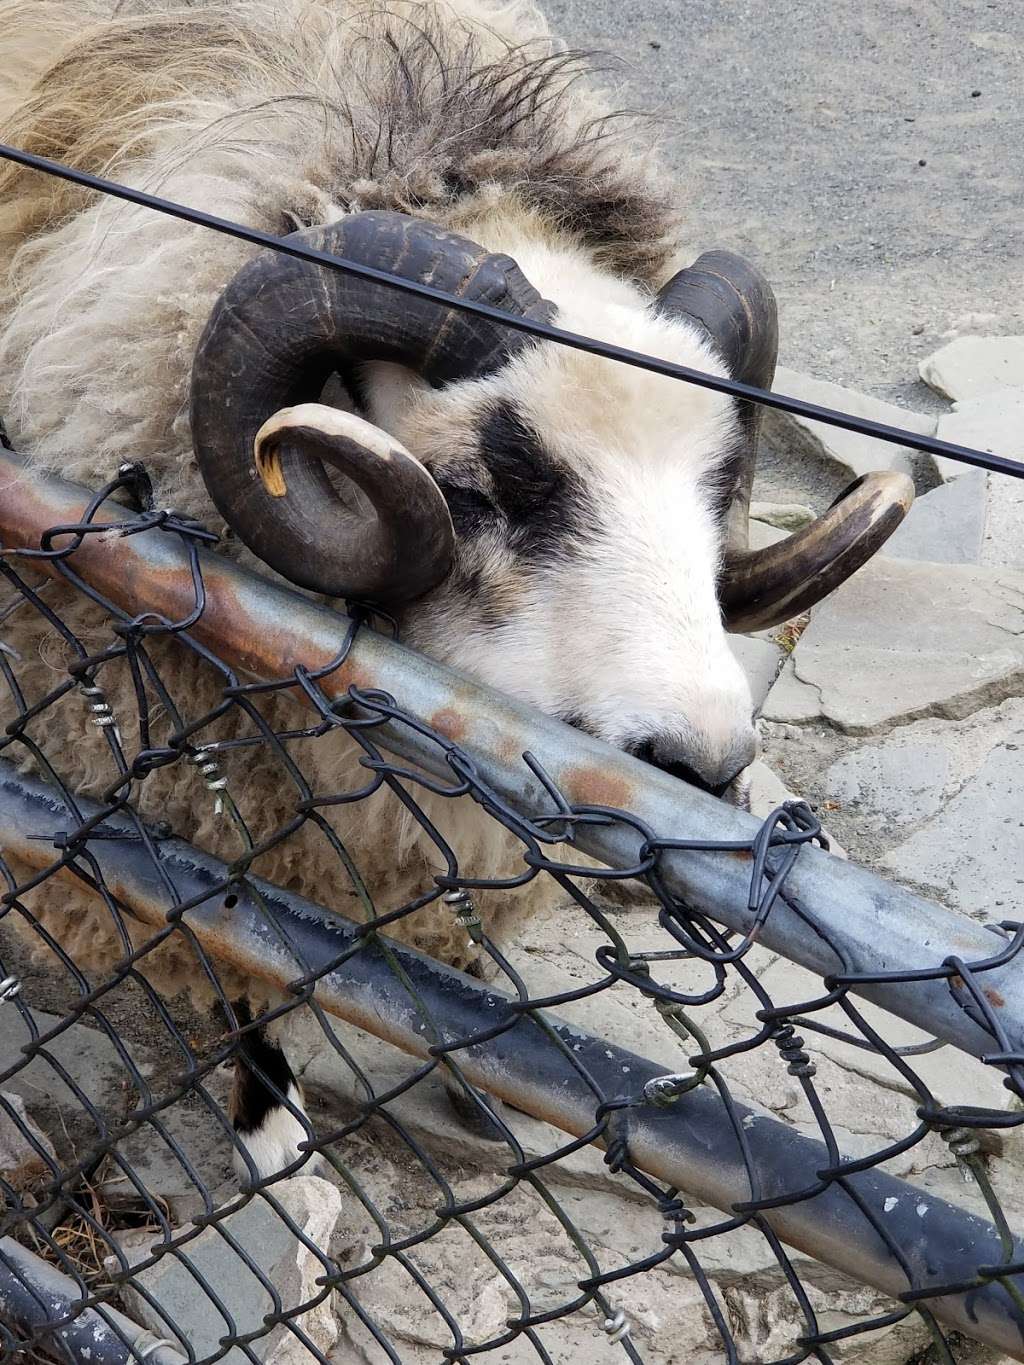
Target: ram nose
(713, 769)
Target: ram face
(565, 527)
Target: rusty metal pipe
(692, 1144)
(266, 630)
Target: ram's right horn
(392, 544)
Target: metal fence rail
(546, 1067)
(266, 631)
(725, 884)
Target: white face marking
(620, 628)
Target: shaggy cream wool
(278, 113)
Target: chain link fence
(423, 1235)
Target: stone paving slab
(25, 1152)
(854, 453)
(1003, 546)
(85, 1054)
(902, 640)
(762, 534)
(898, 782)
(934, 803)
(972, 366)
(95, 1068)
(761, 661)
(668, 1320)
(971, 851)
(946, 525)
(994, 423)
(785, 516)
(173, 1294)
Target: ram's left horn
(762, 588)
(731, 302)
(389, 539)
(281, 326)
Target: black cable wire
(931, 445)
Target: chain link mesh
(439, 1226)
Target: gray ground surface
(902, 722)
(797, 129)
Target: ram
(565, 528)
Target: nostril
(716, 779)
(688, 774)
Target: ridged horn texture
(279, 329)
(761, 588)
(378, 548)
(733, 304)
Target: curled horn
(280, 328)
(381, 548)
(734, 306)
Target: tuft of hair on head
(369, 109)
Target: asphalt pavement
(869, 154)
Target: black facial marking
(544, 504)
(645, 751)
(471, 508)
(514, 508)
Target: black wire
(147, 1109)
(289, 246)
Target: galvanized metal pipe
(833, 914)
(34, 1294)
(692, 1145)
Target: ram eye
(471, 508)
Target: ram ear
(731, 302)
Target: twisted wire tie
(465, 911)
(102, 712)
(677, 1214)
(964, 1144)
(213, 777)
(618, 1327)
(791, 1049)
(669, 1009)
(665, 1090)
(10, 986)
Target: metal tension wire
(420, 728)
(931, 445)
